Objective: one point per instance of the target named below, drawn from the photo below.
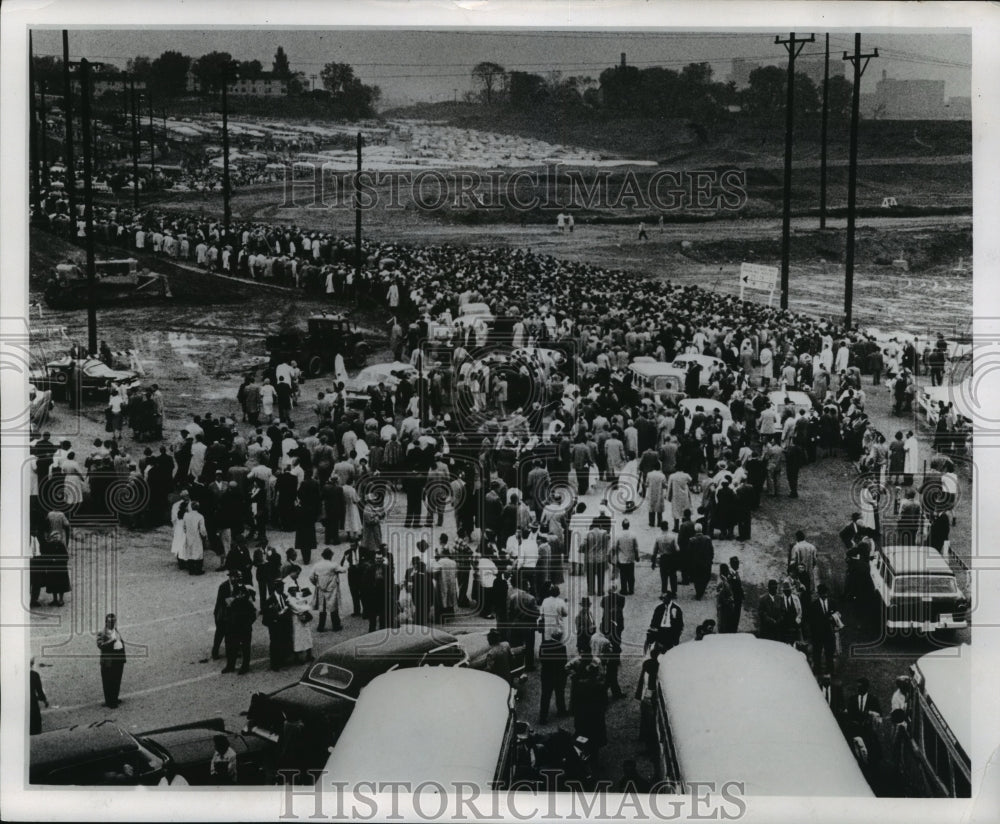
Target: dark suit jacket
(851, 534)
(676, 620)
(855, 714)
(820, 624)
(109, 655)
(769, 616)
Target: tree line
(342, 94)
(656, 91)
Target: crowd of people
(508, 424)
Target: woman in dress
(57, 573)
(267, 396)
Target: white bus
(735, 708)
(940, 724)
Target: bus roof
(655, 369)
(747, 710)
(916, 558)
(427, 724)
(947, 676)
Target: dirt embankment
(922, 249)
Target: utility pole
(227, 214)
(822, 143)
(44, 136)
(860, 63)
(88, 207)
(35, 178)
(135, 144)
(68, 111)
(793, 45)
(152, 140)
(357, 222)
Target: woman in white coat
(195, 536)
(911, 447)
(177, 513)
(679, 495)
(352, 512)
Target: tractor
(314, 350)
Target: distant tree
(48, 69)
(525, 89)
(765, 94)
(336, 77)
(807, 98)
(491, 77)
(213, 69)
(696, 74)
(621, 88)
(250, 69)
(140, 67)
(839, 98)
(280, 65)
(168, 74)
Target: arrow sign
(757, 276)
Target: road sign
(757, 276)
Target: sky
(434, 65)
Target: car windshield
(926, 584)
(331, 675)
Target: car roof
(370, 655)
(916, 559)
(654, 369)
(404, 729)
(708, 406)
(82, 742)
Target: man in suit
(823, 629)
(863, 710)
(736, 585)
(702, 553)
(685, 531)
(667, 623)
(112, 647)
(667, 555)
(595, 558)
(791, 615)
(223, 597)
(613, 613)
(625, 555)
(853, 532)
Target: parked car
(390, 374)
(95, 374)
(799, 400)
(708, 365)
(918, 589)
(305, 719)
(102, 754)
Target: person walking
(702, 553)
(223, 598)
(595, 558)
(736, 585)
(666, 556)
(585, 627)
(624, 557)
(678, 494)
(552, 657)
(37, 694)
(112, 647)
(824, 624)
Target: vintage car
(708, 365)
(103, 753)
(305, 719)
(918, 590)
(95, 376)
(798, 400)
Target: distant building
(265, 85)
(906, 100)
(740, 72)
(102, 86)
